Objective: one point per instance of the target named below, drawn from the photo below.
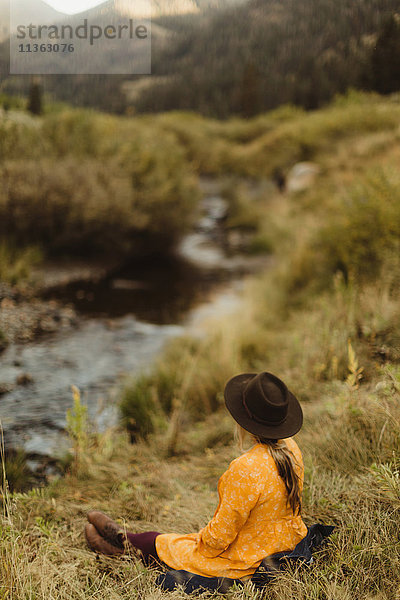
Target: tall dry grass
(350, 444)
(16, 264)
(81, 182)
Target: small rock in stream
(24, 379)
(48, 324)
(6, 388)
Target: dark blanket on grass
(268, 568)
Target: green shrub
(67, 205)
(78, 427)
(79, 182)
(367, 229)
(78, 132)
(12, 102)
(166, 193)
(19, 139)
(16, 264)
(137, 408)
(358, 241)
(17, 473)
(249, 214)
(244, 213)
(261, 244)
(79, 206)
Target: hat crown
(263, 405)
(265, 398)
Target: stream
(125, 320)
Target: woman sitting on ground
(259, 510)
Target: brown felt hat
(262, 404)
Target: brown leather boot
(107, 528)
(98, 544)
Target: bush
(19, 140)
(137, 408)
(85, 206)
(17, 473)
(361, 237)
(77, 132)
(367, 230)
(15, 265)
(68, 205)
(80, 182)
(12, 102)
(166, 193)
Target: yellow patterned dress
(251, 522)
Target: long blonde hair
(285, 463)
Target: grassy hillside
(326, 319)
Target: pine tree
(250, 94)
(35, 104)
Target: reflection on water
(159, 291)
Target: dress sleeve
(238, 494)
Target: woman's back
(252, 521)
(259, 495)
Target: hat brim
(234, 403)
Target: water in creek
(126, 319)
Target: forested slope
(249, 58)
